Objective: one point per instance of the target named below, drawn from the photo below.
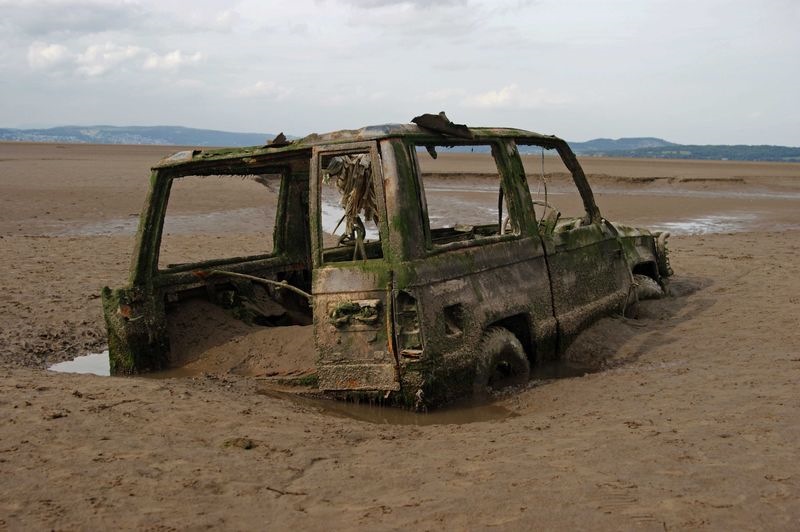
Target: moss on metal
(137, 337)
(543, 282)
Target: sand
(693, 422)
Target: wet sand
(692, 424)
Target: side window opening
(557, 203)
(349, 207)
(463, 193)
(219, 217)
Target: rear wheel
(501, 361)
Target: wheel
(643, 287)
(647, 287)
(501, 361)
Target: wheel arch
(648, 268)
(520, 325)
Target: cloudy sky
(697, 71)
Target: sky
(695, 72)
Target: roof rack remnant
(279, 141)
(441, 124)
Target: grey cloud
(53, 20)
(449, 21)
(423, 4)
(43, 19)
(454, 21)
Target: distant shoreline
(633, 147)
(596, 167)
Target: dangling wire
(542, 182)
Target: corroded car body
(412, 313)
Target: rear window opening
(349, 207)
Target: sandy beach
(691, 419)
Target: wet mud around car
(477, 409)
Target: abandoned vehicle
(406, 304)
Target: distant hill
(167, 135)
(615, 145)
(651, 147)
(662, 149)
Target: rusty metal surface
(368, 133)
(407, 316)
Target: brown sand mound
(205, 338)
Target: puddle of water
(473, 410)
(94, 363)
(677, 191)
(98, 364)
(706, 225)
(688, 193)
(233, 221)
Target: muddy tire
(643, 287)
(501, 361)
(647, 288)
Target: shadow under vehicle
(403, 308)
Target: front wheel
(501, 361)
(647, 287)
(642, 287)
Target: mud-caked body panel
(352, 324)
(459, 295)
(589, 276)
(137, 331)
(646, 252)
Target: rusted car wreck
(402, 308)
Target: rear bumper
(358, 377)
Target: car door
(588, 272)
(351, 280)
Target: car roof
(345, 136)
